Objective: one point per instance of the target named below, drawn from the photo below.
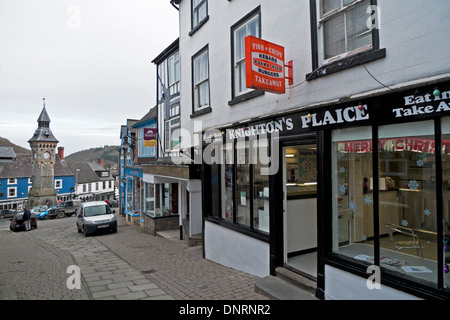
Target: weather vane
(43, 99)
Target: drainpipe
(172, 2)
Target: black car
(7, 213)
(17, 222)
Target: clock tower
(43, 152)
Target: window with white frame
(201, 80)
(249, 26)
(143, 149)
(174, 73)
(199, 12)
(172, 134)
(12, 181)
(12, 192)
(58, 183)
(344, 28)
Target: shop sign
(150, 137)
(133, 172)
(431, 102)
(264, 65)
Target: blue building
(139, 146)
(15, 181)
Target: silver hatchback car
(95, 216)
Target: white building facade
(347, 168)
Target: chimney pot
(61, 153)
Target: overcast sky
(90, 59)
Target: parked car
(68, 207)
(38, 209)
(17, 222)
(50, 213)
(7, 213)
(95, 216)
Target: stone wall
(153, 225)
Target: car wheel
(85, 232)
(60, 214)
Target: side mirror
(114, 211)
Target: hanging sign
(264, 65)
(150, 137)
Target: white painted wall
(236, 250)
(416, 45)
(341, 285)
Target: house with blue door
(16, 181)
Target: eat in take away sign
(264, 65)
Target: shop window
(150, 199)
(445, 158)
(245, 184)
(130, 195)
(242, 183)
(407, 191)
(250, 25)
(301, 171)
(201, 80)
(352, 196)
(228, 182)
(260, 184)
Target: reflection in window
(352, 197)
(260, 149)
(445, 141)
(301, 171)
(407, 215)
(227, 182)
(243, 183)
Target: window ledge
(346, 63)
(199, 25)
(201, 112)
(258, 235)
(246, 96)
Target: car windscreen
(96, 210)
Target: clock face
(46, 155)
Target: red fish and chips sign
(264, 65)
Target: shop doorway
(300, 208)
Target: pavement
(128, 265)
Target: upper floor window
(199, 12)
(58, 183)
(250, 25)
(174, 73)
(12, 181)
(201, 80)
(344, 28)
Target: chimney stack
(101, 162)
(61, 153)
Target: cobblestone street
(127, 265)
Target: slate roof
(7, 153)
(43, 133)
(86, 173)
(152, 114)
(21, 168)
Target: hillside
(17, 149)
(109, 154)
